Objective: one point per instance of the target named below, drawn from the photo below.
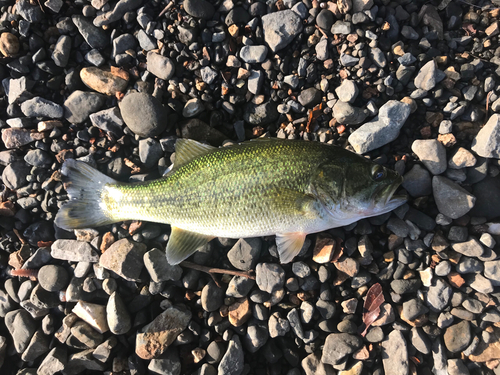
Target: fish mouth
(386, 197)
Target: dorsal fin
(187, 149)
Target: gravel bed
(412, 85)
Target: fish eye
(378, 173)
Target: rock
(75, 251)
(378, 57)
(428, 76)
(457, 367)
(146, 42)
(40, 107)
(236, 16)
(245, 253)
(451, 199)
(158, 267)
(95, 37)
(420, 341)
(109, 120)
(280, 28)
(405, 286)
(438, 296)
(457, 337)
(310, 97)
(199, 131)
(125, 258)
(341, 27)
(93, 314)
(383, 129)
(462, 158)
(239, 312)
(14, 138)
(14, 175)
(492, 270)
(322, 49)
(417, 182)
(413, 308)
(325, 19)
(395, 354)
(199, 9)
(212, 297)
(239, 286)
(233, 360)
(338, 346)
(487, 205)
(295, 323)
(193, 108)
(256, 336)
(53, 278)
(260, 114)
(154, 338)
(168, 364)
(39, 345)
(21, 327)
(54, 362)
(253, 54)
(432, 154)
(103, 81)
(30, 12)
(278, 326)
(9, 44)
(62, 50)
(144, 114)
(160, 66)
(347, 91)
(312, 365)
(80, 104)
(85, 334)
(119, 10)
(470, 248)
(347, 114)
(254, 84)
(118, 318)
(270, 277)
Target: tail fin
(84, 186)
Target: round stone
(143, 114)
(53, 278)
(9, 44)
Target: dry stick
(322, 32)
(211, 271)
(167, 7)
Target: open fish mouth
(386, 197)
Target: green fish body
(258, 188)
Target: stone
(119, 10)
(462, 158)
(310, 97)
(53, 278)
(193, 108)
(470, 248)
(253, 54)
(109, 120)
(420, 341)
(212, 297)
(395, 354)
(417, 182)
(21, 327)
(458, 336)
(429, 76)
(54, 362)
(144, 114)
(15, 174)
(438, 296)
(95, 37)
(347, 114)
(75, 251)
(239, 312)
(14, 138)
(30, 12)
(199, 131)
(125, 258)
(9, 44)
(338, 346)
(158, 267)
(431, 153)
(347, 91)
(160, 66)
(93, 314)
(312, 365)
(155, 338)
(245, 253)
(103, 81)
(199, 9)
(62, 50)
(80, 104)
(280, 28)
(451, 199)
(118, 318)
(40, 107)
(383, 129)
(270, 277)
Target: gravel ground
(413, 85)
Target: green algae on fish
(257, 188)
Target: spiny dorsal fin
(182, 244)
(187, 149)
(289, 245)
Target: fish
(263, 187)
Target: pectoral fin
(289, 245)
(182, 244)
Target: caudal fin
(84, 186)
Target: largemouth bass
(257, 188)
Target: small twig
(167, 7)
(211, 271)
(21, 238)
(488, 101)
(321, 31)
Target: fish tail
(85, 207)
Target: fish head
(355, 188)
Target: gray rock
(239, 286)
(143, 114)
(432, 154)
(438, 296)
(462, 158)
(395, 354)
(280, 28)
(146, 42)
(38, 158)
(158, 267)
(80, 104)
(6, 303)
(347, 91)
(409, 33)
(417, 182)
(312, 365)
(458, 336)
(325, 19)
(53, 278)
(118, 318)
(233, 360)
(125, 258)
(253, 54)
(482, 284)
(256, 336)
(310, 97)
(451, 199)
(270, 277)
(278, 326)
(487, 204)
(109, 120)
(168, 364)
(160, 66)
(347, 114)
(470, 248)
(21, 327)
(95, 37)
(30, 12)
(14, 175)
(54, 362)
(255, 82)
(212, 297)
(322, 49)
(123, 43)
(487, 141)
(208, 75)
(338, 346)
(119, 10)
(428, 76)
(40, 107)
(150, 152)
(62, 50)
(457, 367)
(413, 308)
(295, 324)
(13, 138)
(420, 340)
(75, 251)
(492, 270)
(405, 286)
(199, 9)
(193, 108)
(341, 27)
(378, 57)
(39, 345)
(383, 129)
(260, 114)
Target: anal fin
(289, 245)
(182, 244)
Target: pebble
(62, 50)
(21, 327)
(383, 129)
(168, 364)
(102, 81)
(143, 114)
(125, 258)
(199, 131)
(158, 267)
(395, 354)
(260, 114)
(347, 91)
(160, 66)
(338, 346)
(438, 296)
(109, 120)
(420, 340)
(417, 182)
(428, 76)
(15, 174)
(212, 297)
(280, 28)
(119, 10)
(233, 360)
(9, 44)
(199, 9)
(470, 248)
(313, 365)
(193, 108)
(253, 54)
(347, 114)
(458, 336)
(270, 277)
(451, 199)
(487, 141)
(310, 97)
(487, 205)
(432, 154)
(40, 107)
(118, 318)
(93, 314)
(30, 12)
(95, 37)
(53, 362)
(75, 251)
(154, 338)
(53, 278)
(80, 104)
